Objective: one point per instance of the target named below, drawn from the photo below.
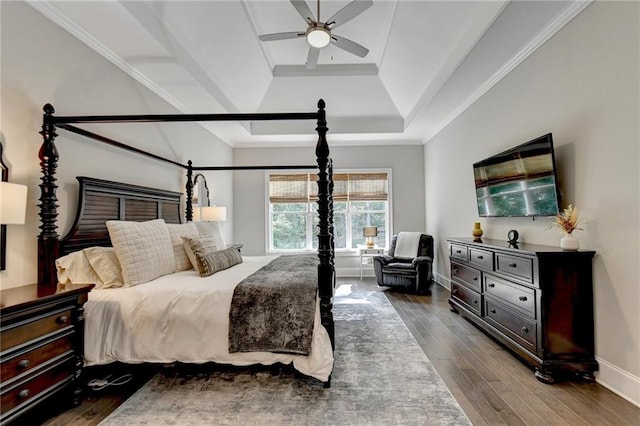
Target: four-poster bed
(102, 201)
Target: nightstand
(41, 346)
(367, 253)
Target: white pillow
(104, 262)
(144, 249)
(213, 230)
(177, 231)
(75, 268)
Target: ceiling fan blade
(312, 57)
(349, 46)
(303, 10)
(349, 12)
(280, 36)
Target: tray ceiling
(427, 61)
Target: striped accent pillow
(211, 262)
(199, 243)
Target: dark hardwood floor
(489, 383)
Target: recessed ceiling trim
(62, 20)
(337, 70)
(563, 18)
(392, 17)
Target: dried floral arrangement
(568, 220)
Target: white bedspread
(183, 317)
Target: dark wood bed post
(48, 239)
(189, 206)
(331, 226)
(325, 267)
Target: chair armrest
(383, 259)
(420, 260)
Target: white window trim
(341, 251)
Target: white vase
(569, 242)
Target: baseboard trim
(442, 280)
(619, 381)
(354, 272)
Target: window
(359, 199)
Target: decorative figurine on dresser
(41, 347)
(535, 300)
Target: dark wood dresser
(41, 346)
(536, 300)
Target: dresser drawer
(468, 297)
(22, 332)
(460, 252)
(26, 361)
(481, 258)
(466, 275)
(511, 324)
(521, 298)
(519, 267)
(55, 376)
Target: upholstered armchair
(408, 265)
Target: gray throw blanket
(273, 309)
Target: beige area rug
(381, 377)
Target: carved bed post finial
(325, 267)
(48, 242)
(189, 209)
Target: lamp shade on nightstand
(370, 232)
(13, 203)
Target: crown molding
(63, 21)
(563, 18)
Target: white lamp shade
(13, 203)
(213, 214)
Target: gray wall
(405, 162)
(42, 63)
(583, 86)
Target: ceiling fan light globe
(318, 37)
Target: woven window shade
(368, 187)
(302, 188)
(290, 188)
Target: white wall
(583, 86)
(41, 64)
(407, 177)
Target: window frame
(310, 231)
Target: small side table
(41, 346)
(367, 253)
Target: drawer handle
(522, 298)
(62, 319)
(475, 278)
(475, 301)
(491, 285)
(513, 265)
(480, 257)
(524, 329)
(23, 364)
(493, 311)
(455, 271)
(455, 291)
(459, 251)
(24, 393)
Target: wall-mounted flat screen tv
(521, 181)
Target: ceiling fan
(318, 33)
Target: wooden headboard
(103, 200)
